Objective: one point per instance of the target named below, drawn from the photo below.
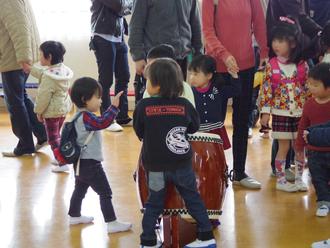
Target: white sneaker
(321, 244)
(250, 134)
(249, 183)
(287, 187)
(62, 168)
(117, 226)
(38, 147)
(302, 187)
(202, 244)
(81, 220)
(289, 175)
(322, 211)
(115, 127)
(54, 162)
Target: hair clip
(286, 19)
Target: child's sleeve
(45, 92)
(138, 123)
(94, 123)
(194, 120)
(37, 71)
(266, 93)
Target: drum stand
(177, 232)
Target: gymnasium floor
(34, 202)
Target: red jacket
(229, 31)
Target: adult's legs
(105, 53)
(241, 111)
(183, 63)
(20, 107)
(122, 76)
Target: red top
(313, 114)
(230, 32)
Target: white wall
(68, 21)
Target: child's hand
(40, 118)
(116, 99)
(26, 67)
(264, 119)
(232, 66)
(305, 136)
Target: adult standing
(227, 28)
(173, 22)
(320, 11)
(110, 49)
(19, 42)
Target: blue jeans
(111, 58)
(185, 182)
(319, 167)
(24, 121)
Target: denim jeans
(289, 156)
(319, 167)
(92, 174)
(112, 61)
(241, 110)
(24, 121)
(185, 181)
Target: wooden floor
(34, 202)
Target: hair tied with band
(286, 19)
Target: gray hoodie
(173, 22)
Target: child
(317, 111)
(209, 92)
(166, 153)
(325, 40)
(283, 95)
(86, 95)
(53, 100)
(167, 51)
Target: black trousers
(92, 175)
(242, 106)
(112, 61)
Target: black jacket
(163, 125)
(106, 16)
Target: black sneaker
(125, 122)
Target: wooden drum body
(211, 171)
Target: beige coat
(19, 37)
(53, 98)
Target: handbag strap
(89, 137)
